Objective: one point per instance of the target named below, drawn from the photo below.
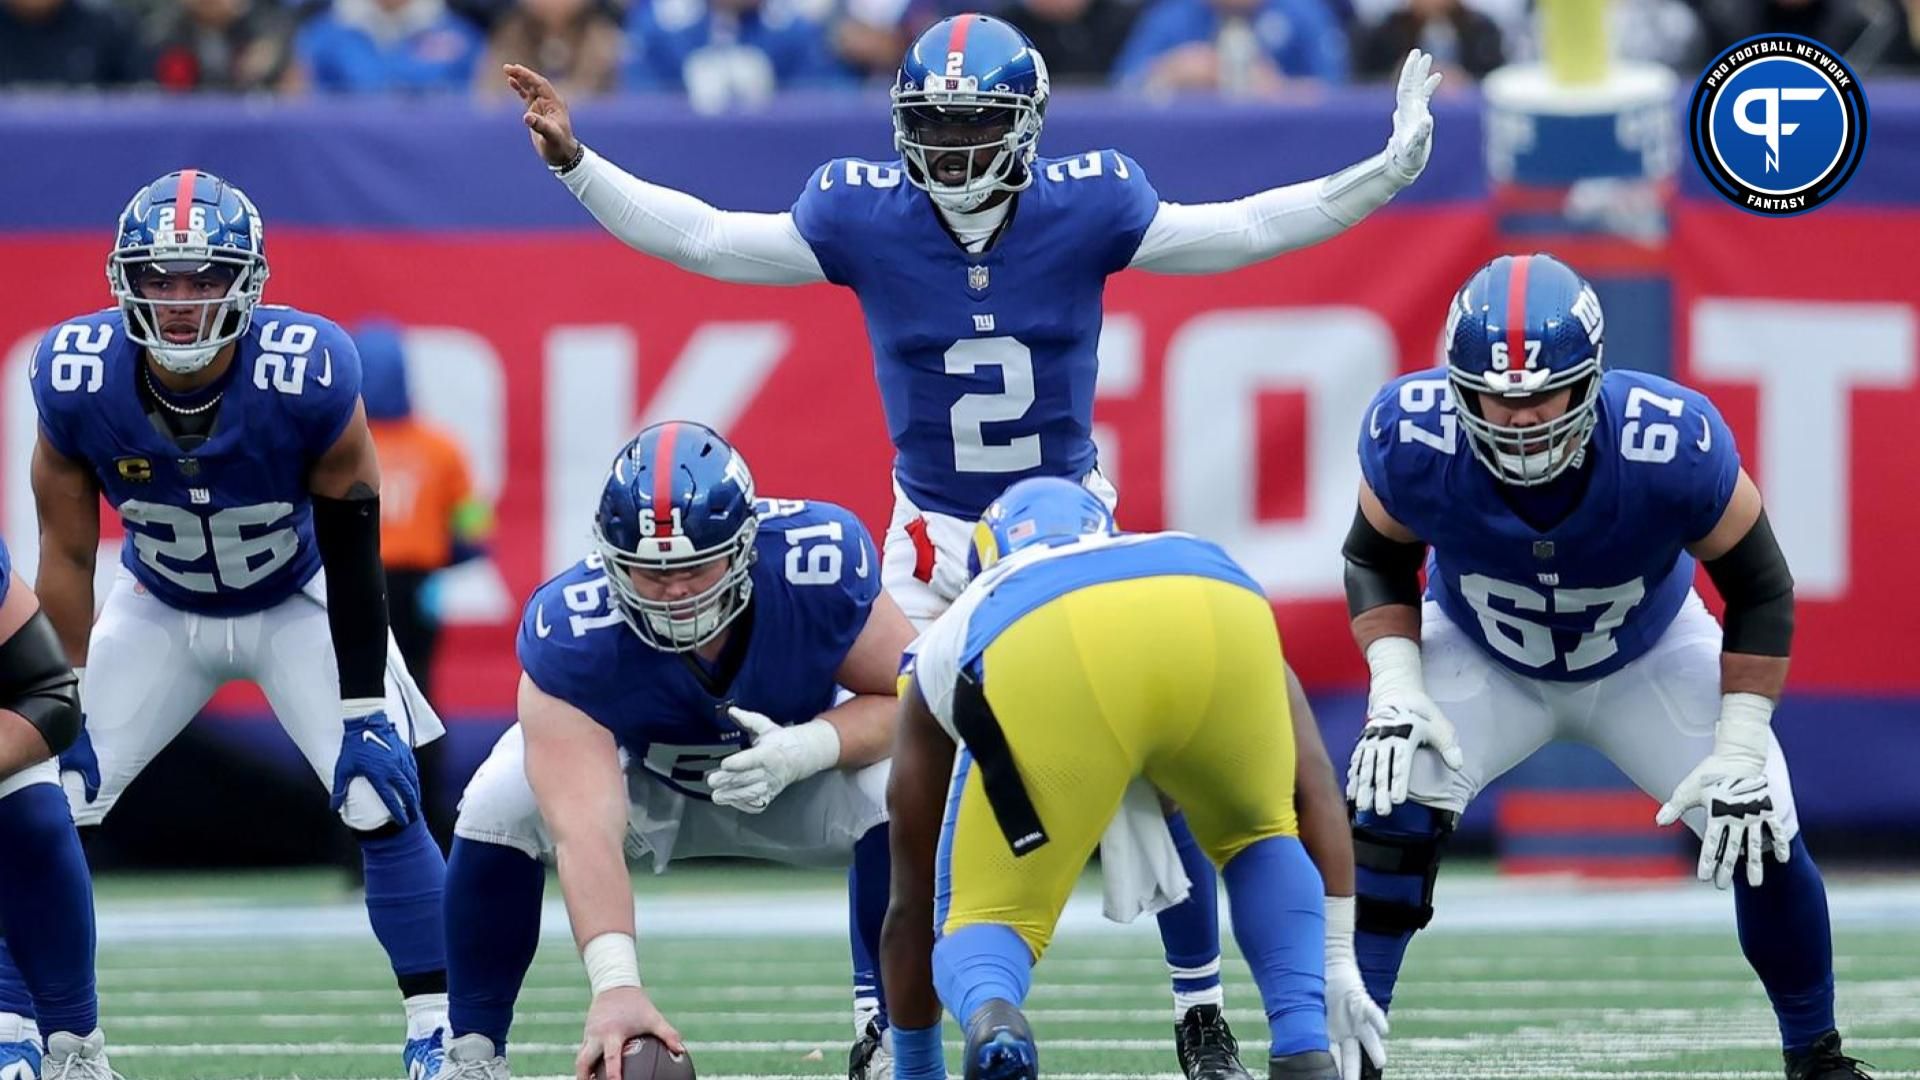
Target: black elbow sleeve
(37, 682)
(1380, 570)
(1754, 581)
(348, 534)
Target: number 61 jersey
(226, 528)
(815, 576)
(1585, 597)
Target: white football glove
(749, 780)
(1401, 718)
(1743, 820)
(1355, 1025)
(1412, 139)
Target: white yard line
(1476, 904)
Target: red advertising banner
(1228, 405)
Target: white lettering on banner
(1216, 364)
(1806, 359)
(593, 378)
(1123, 369)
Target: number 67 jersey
(225, 528)
(1580, 599)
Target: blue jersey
(986, 362)
(6, 571)
(1581, 599)
(815, 577)
(226, 528)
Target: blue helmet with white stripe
(678, 500)
(1523, 329)
(1043, 510)
(968, 105)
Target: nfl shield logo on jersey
(977, 278)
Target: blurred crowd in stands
(732, 53)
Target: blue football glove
(79, 759)
(373, 751)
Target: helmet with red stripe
(188, 266)
(675, 531)
(1524, 361)
(968, 105)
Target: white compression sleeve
(1207, 238)
(750, 248)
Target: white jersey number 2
(971, 451)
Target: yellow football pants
(1179, 679)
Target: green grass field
(234, 1000)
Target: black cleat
(1824, 1061)
(869, 1058)
(1310, 1065)
(1207, 1048)
(1000, 1044)
(1368, 1070)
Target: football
(647, 1058)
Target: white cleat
(70, 1057)
(471, 1057)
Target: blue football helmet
(971, 85)
(679, 498)
(189, 223)
(1043, 510)
(1525, 326)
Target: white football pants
(151, 668)
(1653, 718)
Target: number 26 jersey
(226, 528)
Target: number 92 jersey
(986, 362)
(226, 528)
(1581, 599)
(815, 576)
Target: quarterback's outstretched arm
(754, 249)
(1212, 237)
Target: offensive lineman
(718, 678)
(1566, 505)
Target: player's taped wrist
(1340, 914)
(361, 708)
(816, 746)
(611, 961)
(1395, 664)
(1744, 729)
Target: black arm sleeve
(348, 533)
(37, 682)
(1754, 581)
(1380, 570)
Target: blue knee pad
(1396, 860)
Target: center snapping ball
(647, 1058)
